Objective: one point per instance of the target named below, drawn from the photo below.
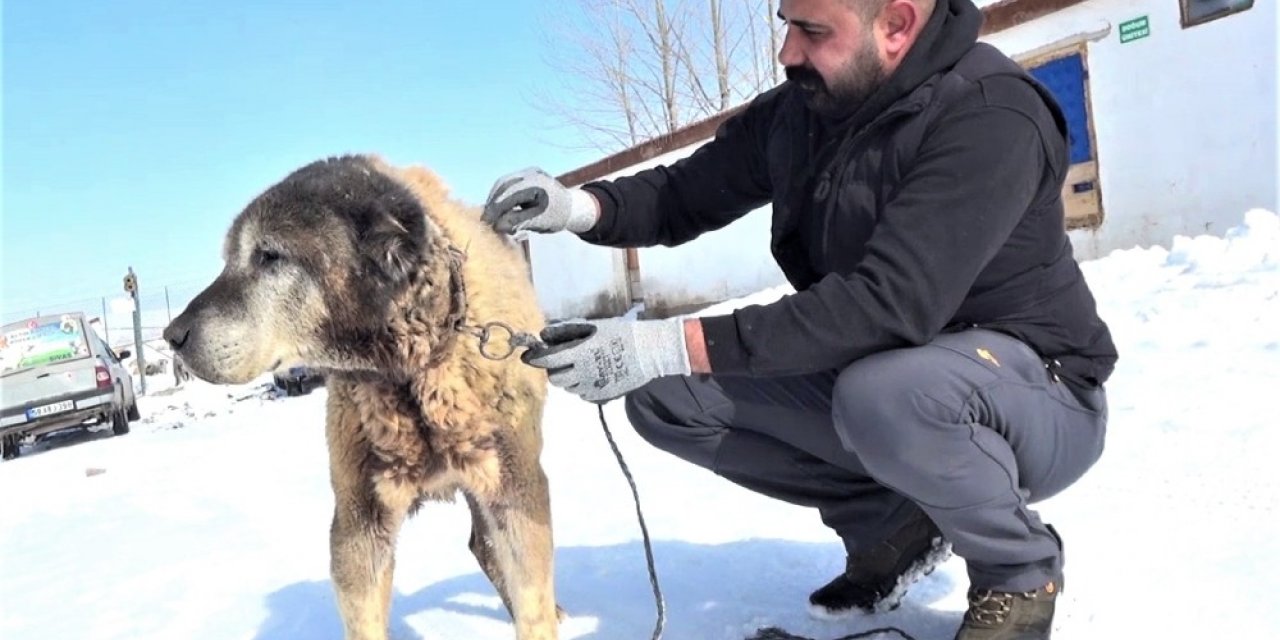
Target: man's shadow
(710, 591)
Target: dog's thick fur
(364, 271)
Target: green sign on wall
(1134, 29)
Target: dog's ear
(392, 248)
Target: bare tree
(763, 31)
(637, 69)
(721, 56)
(657, 71)
(775, 40)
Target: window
(105, 348)
(1065, 74)
(40, 341)
(1196, 12)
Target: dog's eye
(267, 257)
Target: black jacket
(934, 205)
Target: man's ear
(389, 247)
(899, 23)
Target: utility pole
(106, 328)
(131, 286)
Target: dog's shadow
(710, 591)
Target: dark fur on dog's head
(388, 222)
(313, 268)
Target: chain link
(514, 339)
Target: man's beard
(852, 85)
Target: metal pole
(106, 328)
(168, 311)
(137, 335)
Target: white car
(56, 373)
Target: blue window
(1065, 78)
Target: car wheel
(119, 423)
(134, 414)
(9, 448)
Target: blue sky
(134, 130)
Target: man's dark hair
(867, 10)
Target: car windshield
(38, 341)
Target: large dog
(372, 274)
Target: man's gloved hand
(603, 359)
(531, 200)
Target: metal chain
(514, 339)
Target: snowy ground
(210, 521)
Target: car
(57, 373)
(296, 381)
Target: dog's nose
(176, 335)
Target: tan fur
(424, 417)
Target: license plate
(50, 409)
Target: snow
(210, 520)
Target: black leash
(774, 633)
(768, 633)
(644, 529)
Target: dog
(372, 274)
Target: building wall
(1184, 119)
(574, 278)
(726, 263)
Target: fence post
(131, 285)
(106, 328)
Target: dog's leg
(362, 563)
(367, 516)
(519, 526)
(482, 547)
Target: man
(941, 364)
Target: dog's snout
(176, 334)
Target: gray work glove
(531, 200)
(603, 359)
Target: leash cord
(774, 633)
(644, 529)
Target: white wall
(725, 263)
(1185, 119)
(574, 279)
(570, 274)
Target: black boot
(875, 580)
(998, 615)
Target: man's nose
(791, 53)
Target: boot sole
(939, 552)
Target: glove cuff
(583, 211)
(662, 347)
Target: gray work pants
(971, 428)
